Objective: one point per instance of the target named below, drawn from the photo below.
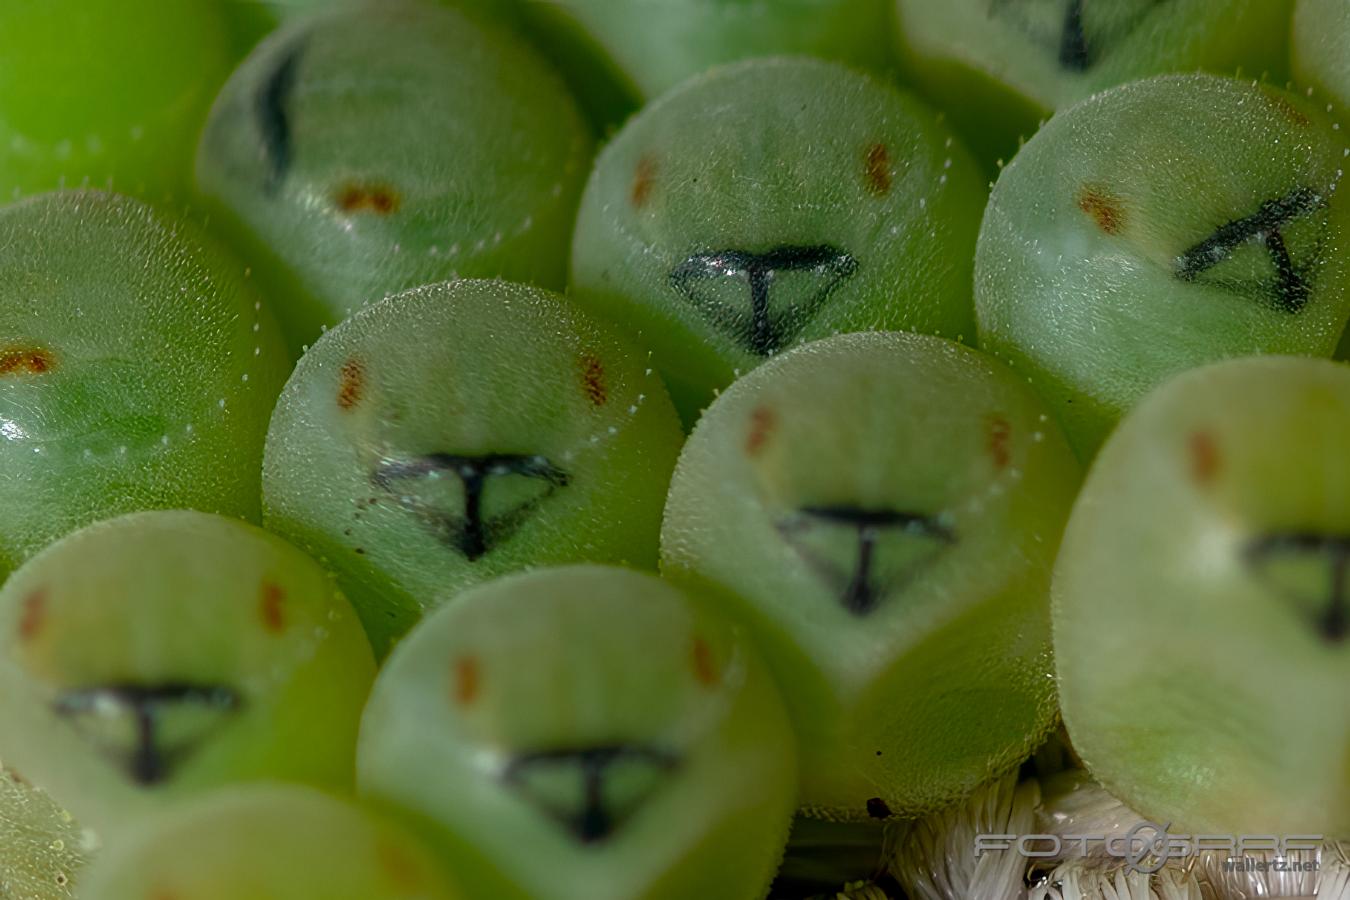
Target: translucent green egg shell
(585, 732)
(774, 202)
(999, 66)
(158, 655)
(108, 93)
(1159, 226)
(882, 511)
(460, 431)
(138, 369)
(383, 146)
(1202, 626)
(269, 843)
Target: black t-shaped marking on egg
(861, 595)
(760, 331)
(473, 534)
(593, 822)
(1074, 48)
(273, 119)
(1334, 622)
(148, 763)
(1263, 227)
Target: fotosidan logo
(1148, 846)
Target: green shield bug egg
(161, 654)
(773, 202)
(585, 732)
(1202, 626)
(138, 368)
(382, 146)
(1159, 226)
(460, 431)
(882, 511)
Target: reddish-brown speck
(762, 421)
(998, 438)
(705, 669)
(26, 361)
(878, 170)
(593, 380)
(403, 871)
(467, 680)
(644, 179)
(351, 384)
(1103, 207)
(1284, 107)
(351, 198)
(1204, 454)
(272, 605)
(34, 614)
(377, 198)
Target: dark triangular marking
(1291, 288)
(575, 787)
(761, 328)
(1310, 570)
(1073, 48)
(474, 532)
(127, 721)
(274, 123)
(1077, 42)
(863, 578)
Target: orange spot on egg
(401, 868)
(34, 614)
(468, 680)
(705, 667)
(1204, 457)
(1103, 207)
(272, 606)
(26, 361)
(998, 440)
(762, 422)
(878, 170)
(644, 179)
(376, 198)
(593, 380)
(351, 384)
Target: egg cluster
(673, 449)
